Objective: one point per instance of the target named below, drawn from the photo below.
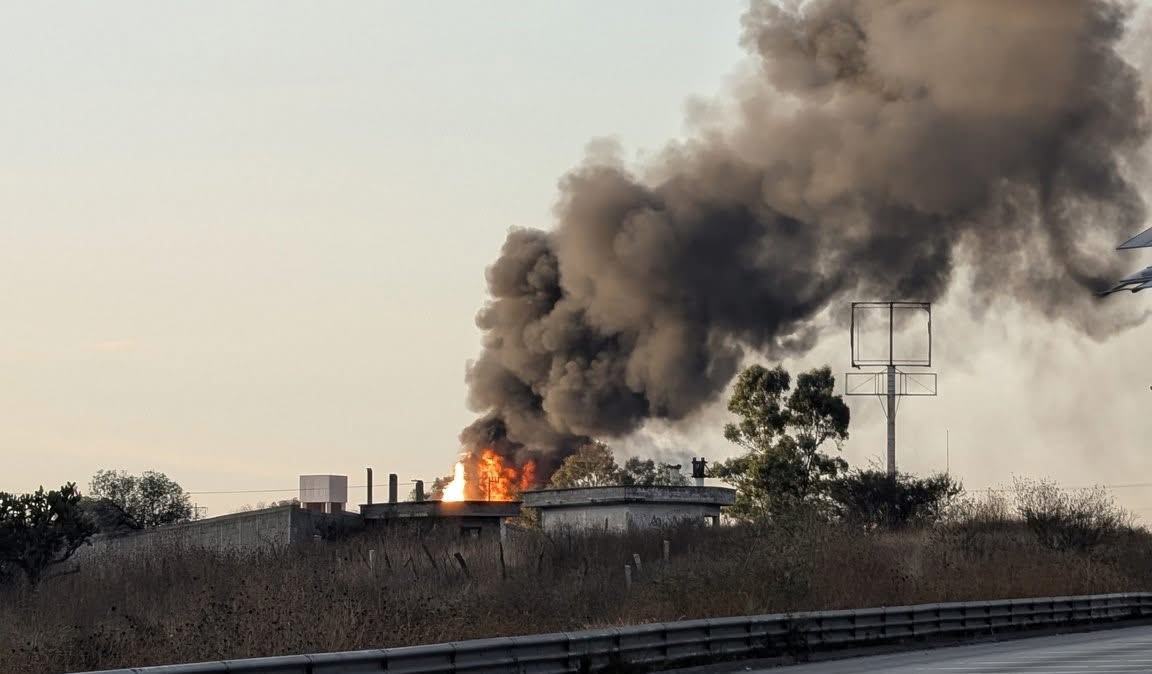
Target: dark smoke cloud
(880, 144)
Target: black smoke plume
(880, 145)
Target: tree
(594, 465)
(261, 505)
(41, 529)
(591, 466)
(647, 473)
(107, 516)
(873, 499)
(147, 500)
(783, 467)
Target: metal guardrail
(695, 640)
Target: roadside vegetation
(807, 532)
(194, 605)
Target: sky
(242, 241)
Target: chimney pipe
(698, 470)
(419, 490)
(392, 485)
(369, 486)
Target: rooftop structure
(324, 493)
(471, 518)
(627, 508)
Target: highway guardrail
(693, 641)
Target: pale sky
(245, 240)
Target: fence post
(463, 565)
(636, 561)
(628, 576)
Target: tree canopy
(648, 473)
(41, 529)
(594, 465)
(142, 501)
(783, 430)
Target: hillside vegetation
(194, 605)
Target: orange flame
(486, 477)
(528, 476)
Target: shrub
(1080, 519)
(873, 499)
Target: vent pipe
(419, 491)
(392, 487)
(698, 470)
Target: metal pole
(892, 421)
(892, 389)
(369, 486)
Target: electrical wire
(281, 491)
(1129, 485)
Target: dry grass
(189, 605)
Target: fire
(528, 476)
(487, 477)
(454, 490)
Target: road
(1101, 652)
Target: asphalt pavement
(1100, 652)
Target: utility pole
(891, 391)
(891, 421)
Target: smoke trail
(880, 144)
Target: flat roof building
(626, 508)
(472, 519)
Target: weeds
(187, 605)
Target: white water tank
(324, 493)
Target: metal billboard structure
(1141, 280)
(891, 383)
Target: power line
(280, 491)
(1129, 485)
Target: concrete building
(269, 528)
(626, 508)
(471, 519)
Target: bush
(186, 605)
(872, 499)
(1081, 519)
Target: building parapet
(585, 496)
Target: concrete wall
(656, 515)
(543, 498)
(594, 518)
(621, 517)
(259, 529)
